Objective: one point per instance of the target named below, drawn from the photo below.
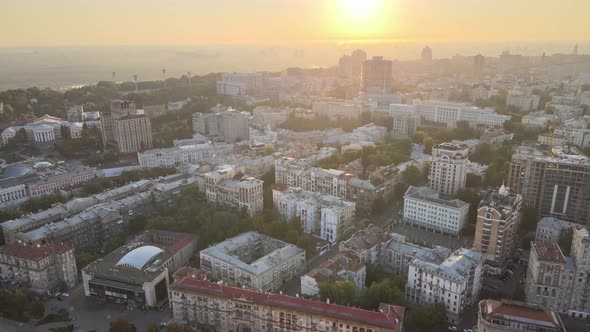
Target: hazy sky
(72, 22)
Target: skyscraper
(126, 128)
(426, 54)
(376, 75)
(478, 64)
(350, 65)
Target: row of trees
(17, 306)
(344, 292)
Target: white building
(253, 261)
(398, 254)
(433, 211)
(549, 229)
(456, 282)
(239, 84)
(329, 216)
(335, 109)
(183, 154)
(366, 244)
(522, 101)
(448, 167)
(44, 129)
(12, 190)
(538, 119)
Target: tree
(473, 180)
(432, 318)
(340, 292)
(379, 206)
(121, 325)
(428, 144)
(412, 176)
(175, 327)
(473, 199)
(153, 327)
(37, 309)
(84, 258)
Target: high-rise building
(376, 75)
(426, 55)
(448, 170)
(350, 65)
(126, 128)
(478, 65)
(229, 126)
(498, 217)
(557, 182)
(405, 122)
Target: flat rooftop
(432, 196)
(548, 252)
(520, 313)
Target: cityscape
(429, 189)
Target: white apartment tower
(448, 170)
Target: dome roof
(42, 164)
(140, 257)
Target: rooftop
(434, 197)
(389, 316)
(434, 255)
(253, 252)
(36, 252)
(456, 267)
(511, 312)
(548, 252)
(366, 238)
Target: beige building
(126, 128)
(376, 75)
(42, 268)
(448, 167)
(217, 307)
(223, 188)
(254, 261)
(229, 126)
(367, 244)
(512, 316)
(498, 218)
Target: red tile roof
(521, 312)
(389, 316)
(548, 252)
(33, 252)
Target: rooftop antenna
(135, 81)
(190, 82)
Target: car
(65, 294)
(452, 328)
(467, 330)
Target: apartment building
(376, 75)
(229, 126)
(367, 244)
(226, 186)
(522, 101)
(254, 261)
(398, 254)
(549, 229)
(456, 282)
(126, 128)
(328, 216)
(434, 211)
(240, 84)
(448, 167)
(338, 268)
(498, 218)
(183, 154)
(41, 268)
(335, 109)
(555, 181)
(202, 304)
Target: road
(89, 314)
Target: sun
(359, 18)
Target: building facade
(229, 126)
(367, 244)
(329, 217)
(433, 211)
(398, 254)
(376, 75)
(498, 218)
(338, 268)
(448, 167)
(126, 128)
(41, 268)
(245, 193)
(456, 282)
(205, 305)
